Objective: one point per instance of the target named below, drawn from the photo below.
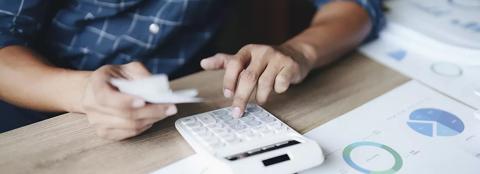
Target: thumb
(218, 61)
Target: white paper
(453, 147)
(385, 120)
(461, 82)
(155, 89)
(436, 42)
(456, 22)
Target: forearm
(28, 81)
(336, 29)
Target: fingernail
(227, 93)
(138, 103)
(171, 110)
(237, 113)
(203, 63)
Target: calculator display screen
(275, 160)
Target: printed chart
(435, 122)
(411, 129)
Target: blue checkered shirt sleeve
(20, 21)
(374, 10)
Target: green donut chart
(348, 159)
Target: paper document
(411, 129)
(436, 42)
(461, 82)
(155, 89)
(456, 22)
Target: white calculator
(256, 143)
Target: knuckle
(264, 85)
(134, 125)
(268, 49)
(127, 113)
(251, 45)
(105, 67)
(219, 55)
(88, 107)
(249, 76)
(288, 59)
(282, 79)
(101, 132)
(294, 66)
(265, 79)
(235, 63)
(135, 64)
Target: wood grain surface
(66, 143)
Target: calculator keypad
(218, 128)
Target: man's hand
(261, 67)
(116, 115)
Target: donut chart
(347, 157)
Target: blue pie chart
(434, 122)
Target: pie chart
(434, 122)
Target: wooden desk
(66, 144)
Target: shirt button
(154, 28)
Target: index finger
(234, 66)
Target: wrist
(76, 85)
(301, 53)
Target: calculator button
(231, 139)
(250, 135)
(205, 134)
(283, 129)
(253, 123)
(238, 126)
(217, 145)
(247, 117)
(207, 119)
(213, 142)
(227, 136)
(193, 125)
(232, 122)
(199, 130)
(234, 141)
(276, 125)
(244, 132)
(221, 131)
(224, 117)
(216, 126)
(188, 120)
(268, 119)
(261, 114)
(220, 112)
(259, 128)
(267, 132)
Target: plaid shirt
(86, 34)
